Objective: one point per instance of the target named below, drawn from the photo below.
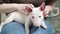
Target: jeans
(17, 28)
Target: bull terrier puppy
(35, 16)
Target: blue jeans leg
(16, 28)
(13, 28)
(41, 30)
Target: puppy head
(37, 15)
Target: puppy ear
(27, 10)
(42, 6)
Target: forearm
(6, 8)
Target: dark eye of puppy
(39, 16)
(33, 17)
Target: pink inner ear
(42, 8)
(28, 10)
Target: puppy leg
(27, 25)
(8, 20)
(27, 28)
(44, 25)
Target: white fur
(24, 19)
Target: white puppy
(36, 16)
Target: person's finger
(46, 15)
(46, 12)
(30, 6)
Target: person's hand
(47, 10)
(23, 8)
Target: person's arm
(7, 8)
(50, 3)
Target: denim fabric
(17, 28)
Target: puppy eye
(39, 16)
(33, 17)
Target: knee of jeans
(49, 25)
(13, 25)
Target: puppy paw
(44, 25)
(0, 28)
